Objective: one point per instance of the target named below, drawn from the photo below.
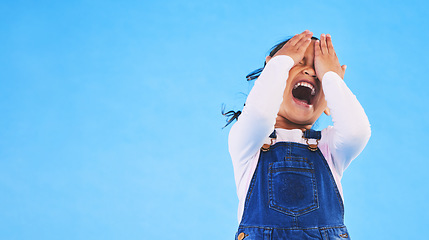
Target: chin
(302, 121)
(301, 115)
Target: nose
(310, 72)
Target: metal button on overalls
(241, 236)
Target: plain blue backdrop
(110, 124)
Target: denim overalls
(293, 195)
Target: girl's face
(303, 98)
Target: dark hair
(233, 115)
(255, 74)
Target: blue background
(110, 122)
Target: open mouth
(304, 92)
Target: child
(288, 175)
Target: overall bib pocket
(292, 186)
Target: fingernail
(328, 35)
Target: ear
(327, 111)
(267, 59)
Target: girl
(288, 175)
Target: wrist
(331, 74)
(284, 59)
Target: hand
(325, 58)
(296, 46)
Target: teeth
(306, 84)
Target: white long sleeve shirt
(339, 144)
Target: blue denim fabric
(293, 195)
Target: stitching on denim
(345, 234)
(291, 160)
(302, 159)
(295, 221)
(294, 228)
(267, 233)
(286, 160)
(310, 208)
(295, 159)
(260, 227)
(326, 235)
(251, 186)
(289, 144)
(289, 169)
(271, 204)
(333, 183)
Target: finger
(317, 51)
(344, 67)
(295, 39)
(327, 111)
(329, 44)
(303, 43)
(323, 46)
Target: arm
(258, 117)
(351, 130)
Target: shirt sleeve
(351, 130)
(258, 117)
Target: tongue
(302, 93)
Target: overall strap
(266, 146)
(312, 134)
(307, 134)
(273, 134)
